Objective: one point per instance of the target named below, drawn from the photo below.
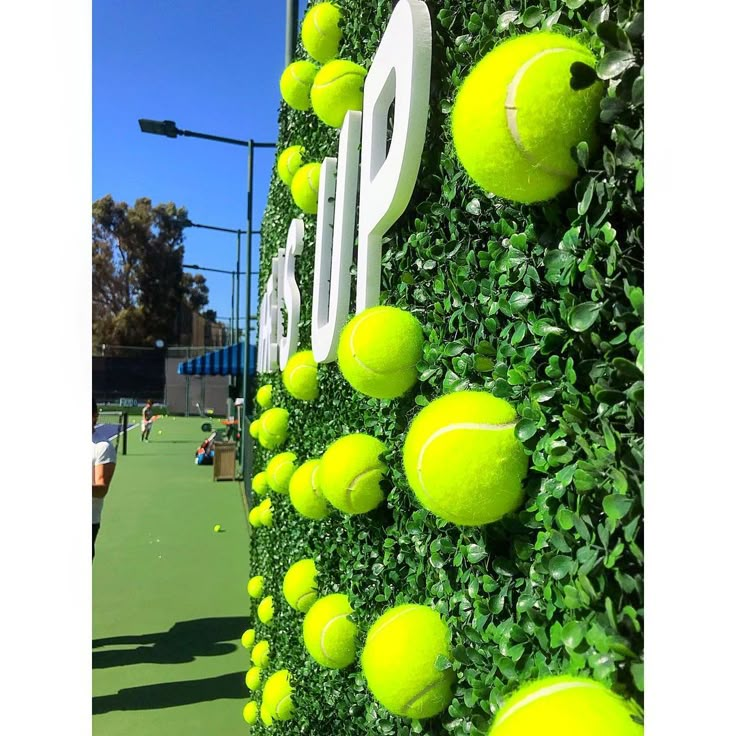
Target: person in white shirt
(104, 457)
(146, 420)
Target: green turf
(169, 594)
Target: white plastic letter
(289, 294)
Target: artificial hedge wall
(541, 305)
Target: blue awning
(223, 362)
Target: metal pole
(232, 308)
(292, 18)
(246, 344)
(237, 287)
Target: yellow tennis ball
(260, 483)
(279, 471)
(305, 188)
(260, 655)
(289, 162)
(254, 517)
(265, 393)
(350, 473)
(399, 657)
(567, 706)
(253, 678)
(266, 610)
(265, 513)
(216, 528)
(520, 112)
(254, 428)
(250, 712)
(300, 585)
(248, 638)
(255, 586)
(337, 88)
(296, 82)
(274, 428)
(462, 459)
(277, 695)
(329, 635)
(300, 376)
(266, 716)
(379, 350)
(321, 32)
(304, 492)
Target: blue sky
(212, 67)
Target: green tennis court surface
(169, 594)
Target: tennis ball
(329, 635)
(254, 517)
(266, 610)
(288, 163)
(266, 716)
(300, 585)
(250, 712)
(349, 473)
(321, 32)
(304, 493)
(264, 393)
(265, 513)
(160, 431)
(253, 678)
(274, 428)
(277, 695)
(260, 654)
(305, 188)
(217, 528)
(295, 83)
(399, 657)
(255, 586)
(521, 110)
(279, 471)
(378, 351)
(567, 706)
(300, 376)
(260, 483)
(337, 88)
(462, 459)
(249, 636)
(255, 427)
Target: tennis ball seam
(315, 22)
(324, 634)
(322, 85)
(297, 78)
(354, 352)
(313, 481)
(310, 592)
(427, 688)
(372, 634)
(350, 488)
(278, 705)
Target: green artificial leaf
(575, 4)
(525, 428)
(560, 567)
(519, 301)
(616, 506)
(506, 19)
(583, 316)
(582, 153)
(612, 36)
(572, 634)
(532, 16)
(614, 63)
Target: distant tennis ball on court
(295, 83)
(248, 638)
(255, 586)
(305, 188)
(350, 473)
(304, 493)
(217, 528)
(300, 585)
(521, 110)
(160, 431)
(321, 32)
(337, 88)
(250, 712)
(300, 376)
(266, 610)
(462, 459)
(277, 694)
(379, 350)
(264, 393)
(254, 517)
(260, 483)
(266, 716)
(279, 471)
(289, 162)
(274, 428)
(260, 655)
(399, 657)
(567, 706)
(265, 513)
(253, 678)
(254, 428)
(329, 635)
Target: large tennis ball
(264, 394)
(265, 512)
(279, 471)
(254, 428)
(462, 459)
(300, 585)
(289, 162)
(277, 695)
(253, 678)
(567, 706)
(248, 638)
(329, 635)
(250, 712)
(305, 188)
(254, 517)
(266, 610)
(274, 428)
(321, 32)
(255, 586)
(349, 473)
(304, 493)
(266, 716)
(296, 82)
(520, 112)
(260, 654)
(337, 88)
(300, 376)
(379, 350)
(260, 483)
(399, 661)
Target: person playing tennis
(146, 420)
